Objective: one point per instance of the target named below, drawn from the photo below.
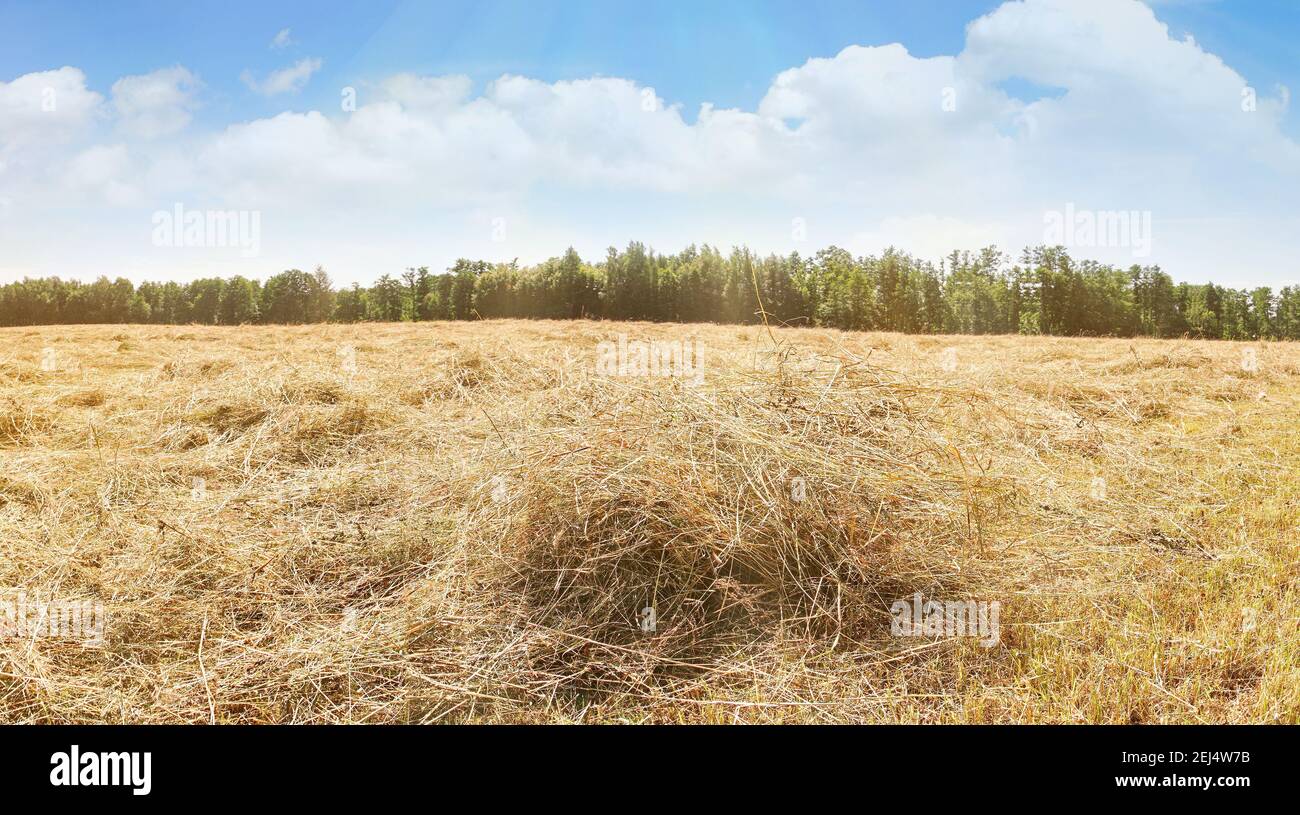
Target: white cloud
(104, 171)
(47, 107)
(156, 104)
(286, 80)
(427, 93)
(872, 146)
(281, 39)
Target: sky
(367, 137)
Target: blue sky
(720, 51)
(822, 145)
(725, 51)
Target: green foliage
(1046, 292)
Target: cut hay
(467, 522)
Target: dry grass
(466, 526)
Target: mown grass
(463, 521)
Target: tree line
(1044, 291)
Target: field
(467, 522)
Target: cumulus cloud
(40, 108)
(156, 104)
(286, 80)
(102, 171)
(434, 94)
(873, 127)
(281, 39)
(1149, 100)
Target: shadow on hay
(580, 579)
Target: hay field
(462, 522)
